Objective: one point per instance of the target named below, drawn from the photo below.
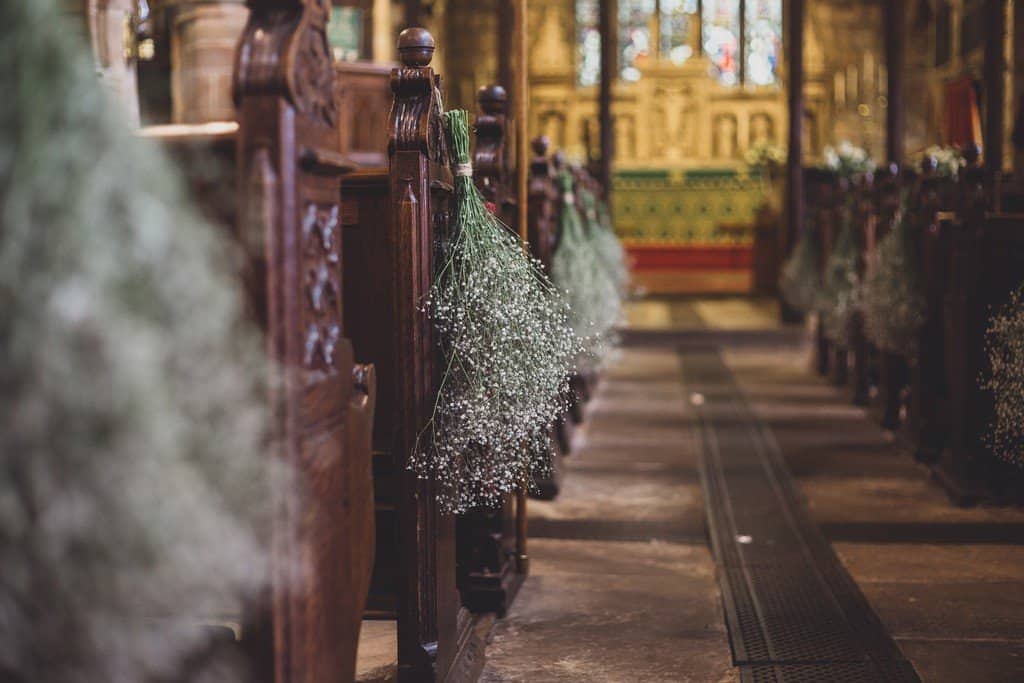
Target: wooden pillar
(506, 48)
(1018, 92)
(413, 12)
(895, 48)
(795, 84)
(995, 90)
(609, 72)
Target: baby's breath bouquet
(948, 160)
(800, 280)
(1004, 342)
(841, 285)
(606, 242)
(892, 300)
(577, 269)
(507, 352)
(133, 466)
(765, 154)
(848, 160)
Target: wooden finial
(415, 47)
(493, 99)
(541, 145)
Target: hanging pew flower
(949, 161)
(606, 243)
(765, 154)
(848, 160)
(841, 286)
(894, 307)
(507, 351)
(800, 279)
(1004, 344)
(133, 495)
(577, 269)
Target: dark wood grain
(323, 536)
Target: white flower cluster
(893, 304)
(839, 300)
(507, 354)
(607, 243)
(579, 270)
(765, 153)
(800, 280)
(848, 160)
(133, 500)
(948, 160)
(1004, 342)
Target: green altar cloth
(679, 208)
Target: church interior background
(698, 106)
(695, 106)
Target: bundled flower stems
(800, 280)
(606, 243)
(133, 403)
(893, 303)
(578, 269)
(507, 351)
(1004, 344)
(841, 286)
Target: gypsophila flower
(893, 304)
(948, 160)
(606, 243)
(133, 495)
(800, 280)
(1004, 344)
(839, 299)
(764, 153)
(507, 352)
(848, 160)
(577, 269)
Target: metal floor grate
(794, 613)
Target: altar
(691, 104)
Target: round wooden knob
(972, 153)
(415, 47)
(541, 145)
(492, 99)
(928, 164)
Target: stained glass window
(764, 40)
(635, 19)
(588, 43)
(676, 19)
(721, 31)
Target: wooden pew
(282, 157)
(491, 544)
(986, 258)
(822, 189)
(542, 232)
(851, 203)
(928, 407)
(890, 374)
(363, 92)
(862, 352)
(393, 218)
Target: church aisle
(621, 585)
(947, 582)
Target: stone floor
(622, 585)
(947, 582)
